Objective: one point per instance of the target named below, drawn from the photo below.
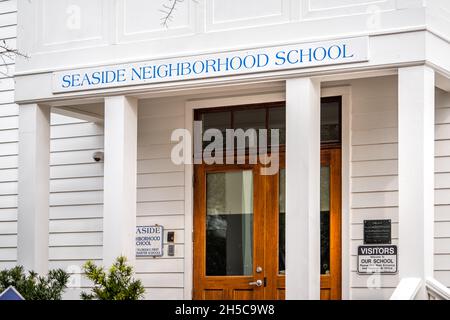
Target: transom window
(270, 116)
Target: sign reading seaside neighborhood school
(377, 259)
(214, 65)
(149, 241)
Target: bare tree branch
(8, 55)
(168, 10)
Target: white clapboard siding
(158, 151)
(153, 293)
(442, 213)
(76, 252)
(372, 293)
(8, 215)
(8, 135)
(76, 211)
(8, 162)
(361, 214)
(160, 208)
(8, 19)
(8, 141)
(158, 166)
(442, 191)
(374, 174)
(8, 240)
(76, 198)
(76, 184)
(374, 281)
(9, 109)
(165, 179)
(76, 171)
(75, 225)
(76, 265)
(160, 195)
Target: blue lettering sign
(265, 59)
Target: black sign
(377, 231)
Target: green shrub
(115, 284)
(33, 286)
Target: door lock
(259, 269)
(257, 283)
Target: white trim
(407, 289)
(302, 189)
(346, 93)
(416, 144)
(33, 187)
(119, 181)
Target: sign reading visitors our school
(149, 241)
(277, 58)
(377, 259)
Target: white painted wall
(374, 173)
(160, 195)
(76, 196)
(76, 181)
(442, 189)
(8, 142)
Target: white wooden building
(359, 89)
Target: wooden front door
(239, 239)
(239, 214)
(229, 232)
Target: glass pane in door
(229, 223)
(325, 220)
(282, 222)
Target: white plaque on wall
(149, 241)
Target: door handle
(257, 283)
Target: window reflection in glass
(216, 120)
(282, 222)
(330, 122)
(277, 120)
(325, 220)
(229, 223)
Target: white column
(119, 209)
(416, 172)
(302, 189)
(33, 187)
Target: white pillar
(33, 187)
(302, 189)
(119, 209)
(416, 105)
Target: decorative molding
(324, 9)
(60, 24)
(236, 14)
(140, 20)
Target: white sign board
(149, 241)
(287, 57)
(377, 259)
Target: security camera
(98, 156)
